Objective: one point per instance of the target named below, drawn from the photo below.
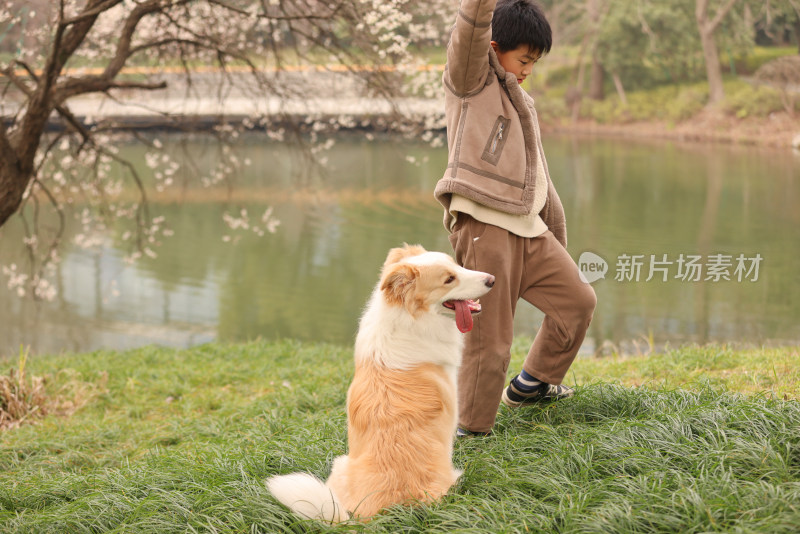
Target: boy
(503, 213)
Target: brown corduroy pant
(538, 270)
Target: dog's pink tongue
(463, 315)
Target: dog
(401, 405)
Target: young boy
(503, 213)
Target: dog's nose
(489, 281)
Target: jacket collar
(494, 62)
(509, 79)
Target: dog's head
(422, 282)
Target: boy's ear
(495, 46)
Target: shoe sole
(516, 404)
(527, 402)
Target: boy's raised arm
(467, 51)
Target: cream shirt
(528, 225)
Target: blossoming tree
(57, 51)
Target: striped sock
(525, 383)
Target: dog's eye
(450, 279)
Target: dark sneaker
(464, 433)
(514, 398)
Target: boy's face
(520, 60)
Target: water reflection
(311, 279)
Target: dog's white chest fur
(390, 336)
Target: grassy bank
(181, 441)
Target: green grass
(182, 441)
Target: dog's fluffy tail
(308, 497)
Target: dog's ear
(398, 254)
(397, 281)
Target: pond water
(700, 243)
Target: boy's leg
(552, 283)
(487, 348)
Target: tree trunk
(575, 94)
(12, 187)
(707, 28)
(596, 81)
(716, 93)
(620, 89)
(797, 32)
(596, 78)
(18, 153)
(12, 180)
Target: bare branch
(92, 12)
(98, 84)
(56, 60)
(163, 42)
(701, 10)
(75, 123)
(46, 152)
(138, 85)
(123, 47)
(12, 75)
(40, 103)
(229, 7)
(721, 14)
(105, 81)
(62, 222)
(142, 210)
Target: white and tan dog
(401, 405)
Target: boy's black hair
(521, 22)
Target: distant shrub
(669, 103)
(605, 111)
(688, 103)
(560, 75)
(784, 75)
(761, 55)
(551, 106)
(745, 100)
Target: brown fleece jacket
(492, 127)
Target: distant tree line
(648, 42)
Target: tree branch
(142, 209)
(92, 12)
(75, 123)
(63, 111)
(122, 52)
(701, 11)
(12, 75)
(69, 36)
(55, 62)
(98, 84)
(291, 18)
(62, 224)
(138, 85)
(40, 103)
(721, 14)
(6, 150)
